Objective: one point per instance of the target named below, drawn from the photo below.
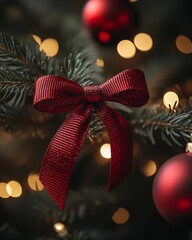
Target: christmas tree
(81, 45)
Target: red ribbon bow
(54, 94)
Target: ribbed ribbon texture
(55, 94)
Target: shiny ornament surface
(110, 20)
(172, 190)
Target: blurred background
(155, 36)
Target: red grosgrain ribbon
(54, 94)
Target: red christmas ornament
(110, 20)
(172, 190)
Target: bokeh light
(34, 182)
(143, 41)
(37, 39)
(104, 37)
(60, 229)
(126, 49)
(149, 169)
(184, 44)
(100, 62)
(170, 99)
(14, 189)
(3, 190)
(105, 150)
(50, 46)
(121, 216)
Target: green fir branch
(173, 127)
(20, 66)
(14, 87)
(16, 55)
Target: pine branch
(41, 215)
(76, 68)
(17, 121)
(15, 55)
(173, 127)
(8, 232)
(14, 87)
(20, 66)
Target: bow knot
(57, 94)
(92, 94)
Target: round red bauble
(110, 20)
(172, 190)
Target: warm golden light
(100, 62)
(50, 46)
(121, 216)
(3, 190)
(143, 41)
(149, 169)
(126, 49)
(132, 0)
(14, 189)
(34, 182)
(105, 150)
(37, 39)
(184, 44)
(60, 229)
(170, 99)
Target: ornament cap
(189, 147)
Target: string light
(121, 216)
(60, 229)
(34, 182)
(143, 41)
(14, 189)
(184, 44)
(149, 169)
(50, 46)
(37, 39)
(126, 49)
(170, 99)
(100, 62)
(105, 150)
(3, 190)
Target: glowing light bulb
(170, 99)
(100, 62)
(14, 189)
(3, 190)
(50, 46)
(126, 49)
(60, 229)
(184, 44)
(37, 39)
(34, 182)
(143, 41)
(121, 216)
(149, 169)
(105, 150)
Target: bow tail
(121, 144)
(62, 153)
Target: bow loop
(54, 94)
(128, 87)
